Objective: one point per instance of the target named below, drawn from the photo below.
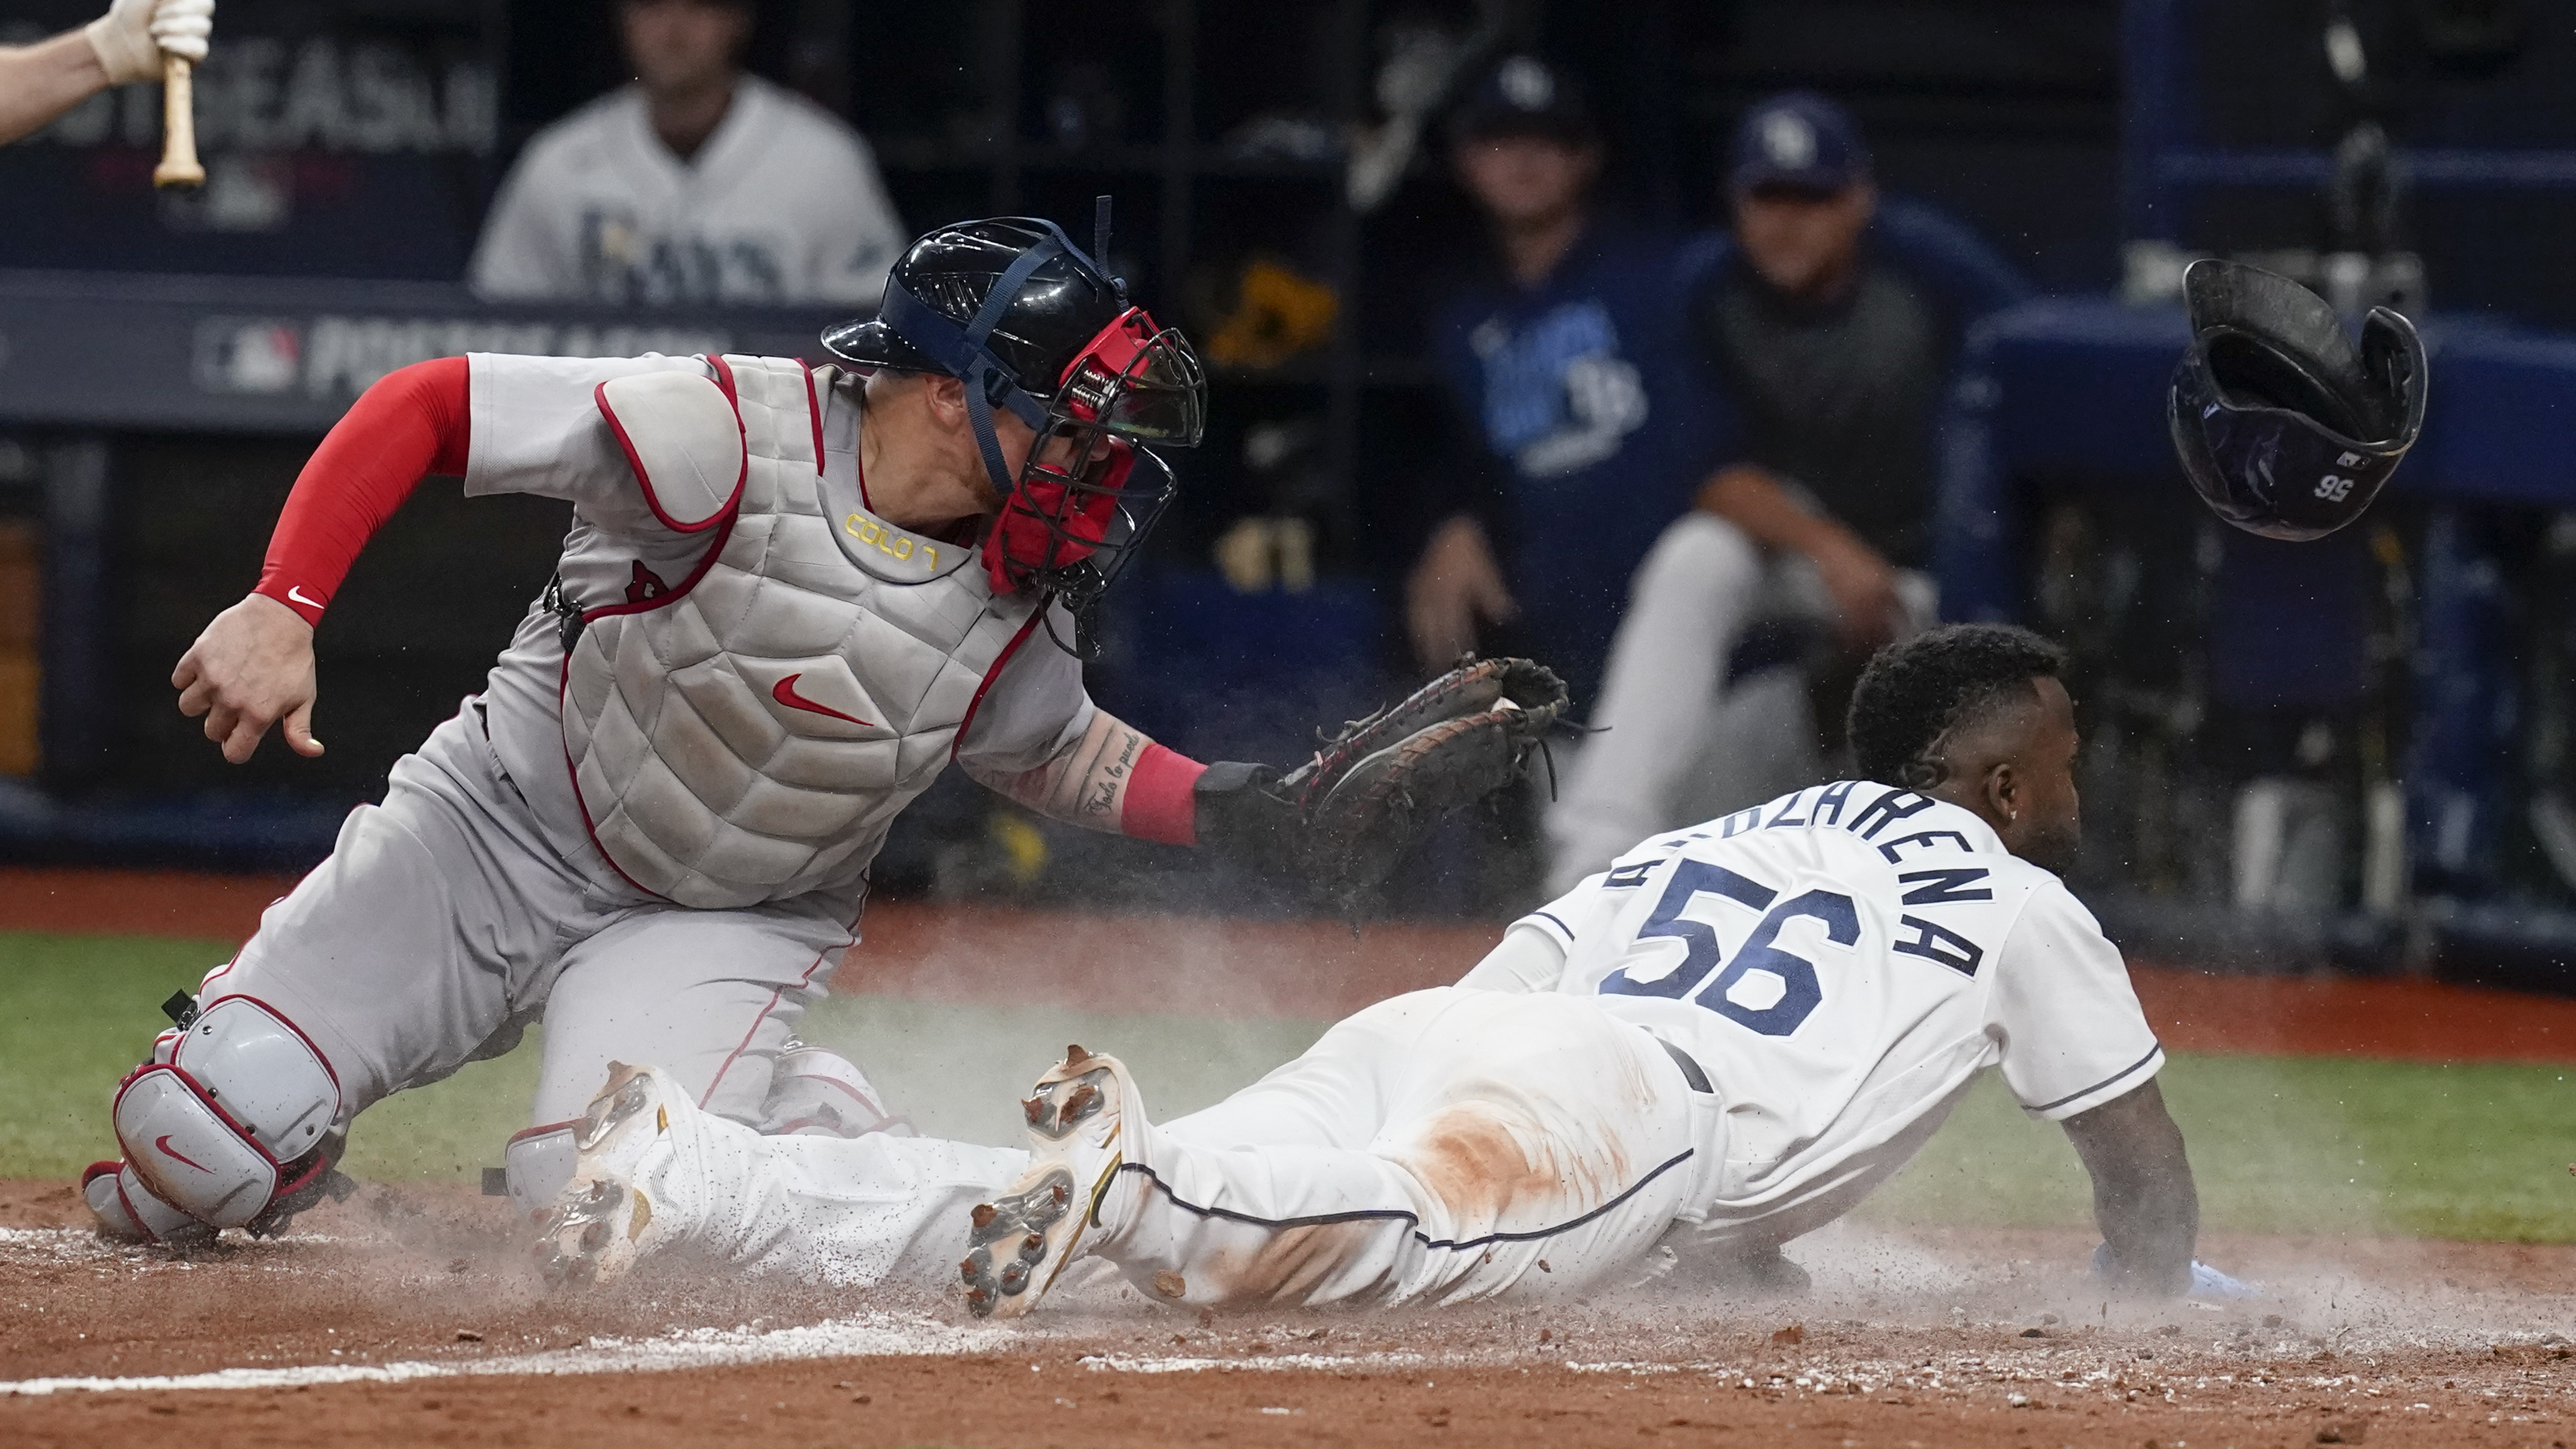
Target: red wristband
(1162, 802)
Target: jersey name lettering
(1939, 943)
(1894, 850)
(1945, 886)
(1628, 877)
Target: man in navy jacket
(1830, 322)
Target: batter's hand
(1863, 587)
(252, 668)
(133, 35)
(1456, 586)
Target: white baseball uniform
(782, 204)
(1835, 967)
(659, 843)
(1725, 1041)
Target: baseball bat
(178, 127)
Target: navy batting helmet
(2283, 426)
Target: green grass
(2290, 1145)
(2279, 1144)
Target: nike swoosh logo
(785, 693)
(296, 593)
(174, 1154)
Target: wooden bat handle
(178, 127)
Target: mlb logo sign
(262, 356)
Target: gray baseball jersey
(539, 426)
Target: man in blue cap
(1569, 363)
(1831, 319)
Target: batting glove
(133, 35)
(2206, 1281)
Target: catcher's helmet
(2282, 425)
(1032, 324)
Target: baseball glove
(1344, 818)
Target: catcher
(789, 598)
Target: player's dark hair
(1915, 692)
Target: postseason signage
(287, 355)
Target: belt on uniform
(1690, 1069)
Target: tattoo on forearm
(1087, 784)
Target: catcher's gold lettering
(886, 540)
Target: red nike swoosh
(785, 693)
(173, 1153)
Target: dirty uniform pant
(851, 1212)
(1441, 1146)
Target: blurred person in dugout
(695, 183)
(41, 81)
(1572, 400)
(1831, 320)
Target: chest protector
(750, 733)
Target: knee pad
(234, 1118)
(536, 1164)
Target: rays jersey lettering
(1559, 396)
(1842, 962)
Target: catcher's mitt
(1345, 817)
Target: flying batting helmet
(2282, 425)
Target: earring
(2013, 819)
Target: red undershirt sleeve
(412, 423)
(1162, 799)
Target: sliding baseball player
(1723, 1042)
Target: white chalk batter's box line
(868, 1335)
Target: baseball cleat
(1021, 1242)
(596, 1230)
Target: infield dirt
(408, 1316)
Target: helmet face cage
(1090, 491)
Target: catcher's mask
(1049, 336)
(1090, 489)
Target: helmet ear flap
(2392, 360)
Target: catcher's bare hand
(1454, 590)
(252, 668)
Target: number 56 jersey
(1842, 962)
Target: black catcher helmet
(2282, 425)
(1034, 326)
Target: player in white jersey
(696, 183)
(789, 598)
(1723, 1042)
